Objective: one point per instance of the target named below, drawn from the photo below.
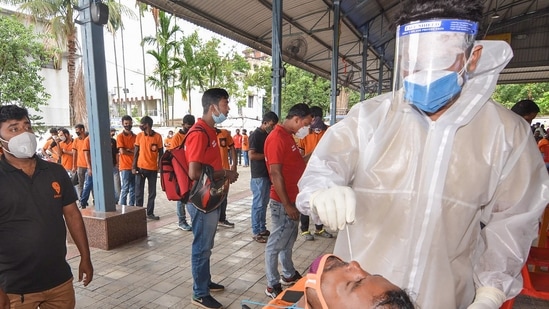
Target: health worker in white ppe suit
(444, 186)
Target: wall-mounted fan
(296, 47)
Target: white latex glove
(334, 206)
(488, 298)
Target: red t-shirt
(197, 149)
(280, 148)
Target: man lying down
(334, 284)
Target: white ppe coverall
(424, 187)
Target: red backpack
(174, 171)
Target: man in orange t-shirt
(146, 161)
(237, 139)
(79, 165)
(64, 149)
(226, 147)
(306, 146)
(88, 182)
(168, 140)
(245, 148)
(125, 142)
(543, 146)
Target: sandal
(259, 239)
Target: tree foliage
(510, 94)
(22, 55)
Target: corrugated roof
(525, 22)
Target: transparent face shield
(431, 58)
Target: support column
(335, 59)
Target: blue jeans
(246, 159)
(86, 190)
(150, 176)
(261, 188)
(181, 215)
(204, 229)
(128, 188)
(280, 244)
(116, 178)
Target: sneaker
(274, 291)
(308, 236)
(291, 280)
(153, 217)
(215, 287)
(323, 233)
(207, 302)
(225, 223)
(185, 227)
(265, 233)
(259, 239)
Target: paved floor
(155, 272)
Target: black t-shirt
(114, 150)
(257, 143)
(32, 227)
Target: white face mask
(301, 133)
(62, 138)
(22, 146)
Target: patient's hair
(395, 299)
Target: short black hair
(53, 130)
(300, 110)
(79, 126)
(148, 120)
(316, 111)
(66, 131)
(394, 299)
(13, 112)
(127, 117)
(413, 10)
(189, 119)
(525, 107)
(212, 96)
(270, 116)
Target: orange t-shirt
(125, 141)
(177, 139)
(225, 142)
(78, 144)
(310, 141)
(149, 149)
(47, 145)
(543, 146)
(66, 158)
(245, 143)
(168, 142)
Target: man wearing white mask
(37, 206)
(447, 208)
(285, 166)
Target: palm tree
(60, 15)
(190, 73)
(166, 45)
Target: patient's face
(347, 285)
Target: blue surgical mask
(431, 90)
(219, 118)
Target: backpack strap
(194, 129)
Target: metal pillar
(380, 77)
(363, 83)
(335, 59)
(97, 103)
(277, 67)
